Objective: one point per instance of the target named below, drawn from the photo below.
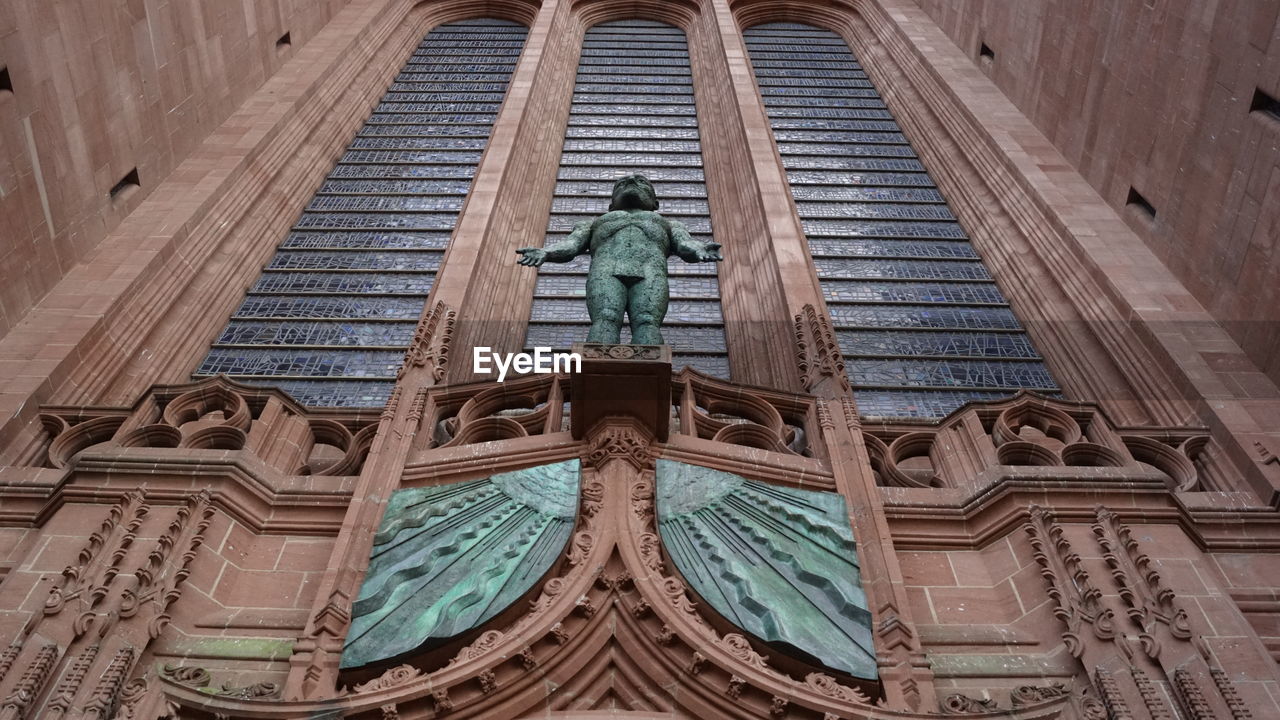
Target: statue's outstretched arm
(563, 251)
(690, 250)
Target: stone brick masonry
(192, 549)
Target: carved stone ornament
(618, 442)
(395, 677)
(1034, 694)
(256, 691)
(817, 351)
(827, 685)
(188, 675)
(594, 351)
(960, 704)
(213, 413)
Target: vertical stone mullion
(512, 193)
(459, 270)
(785, 237)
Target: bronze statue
(629, 246)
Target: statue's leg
(647, 306)
(606, 301)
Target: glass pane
(915, 309)
(341, 297)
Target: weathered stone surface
(777, 562)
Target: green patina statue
(629, 246)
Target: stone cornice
(934, 518)
(242, 486)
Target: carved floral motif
(191, 676)
(487, 641)
(827, 685)
(1033, 694)
(960, 704)
(618, 442)
(395, 677)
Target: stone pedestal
(628, 380)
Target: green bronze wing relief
(447, 559)
(779, 563)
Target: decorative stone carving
(442, 702)
(739, 647)
(519, 407)
(1190, 696)
(1227, 689)
(817, 352)
(1078, 601)
(753, 417)
(1030, 430)
(99, 560)
(1140, 586)
(188, 675)
(827, 685)
(132, 695)
(488, 682)
(623, 442)
(734, 688)
(431, 341)
(601, 351)
(395, 677)
(1024, 695)
(256, 691)
(487, 641)
(65, 691)
(960, 704)
(106, 693)
(30, 683)
(213, 413)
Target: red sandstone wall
(1156, 95)
(102, 87)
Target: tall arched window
(633, 112)
(921, 324)
(333, 312)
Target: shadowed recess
(778, 563)
(448, 558)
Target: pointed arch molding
(612, 617)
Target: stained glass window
(633, 111)
(332, 313)
(921, 324)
